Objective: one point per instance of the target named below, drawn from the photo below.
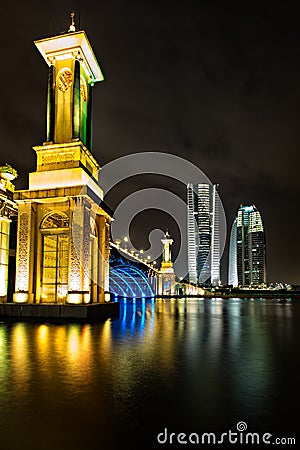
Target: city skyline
(212, 83)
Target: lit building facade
(63, 225)
(203, 233)
(8, 210)
(232, 264)
(247, 249)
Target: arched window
(55, 220)
(55, 257)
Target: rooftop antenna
(72, 26)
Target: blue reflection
(152, 314)
(124, 315)
(136, 314)
(143, 314)
(132, 323)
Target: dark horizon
(211, 82)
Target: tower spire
(166, 274)
(73, 70)
(72, 26)
(167, 242)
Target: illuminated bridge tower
(166, 275)
(63, 224)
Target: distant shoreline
(241, 293)
(253, 294)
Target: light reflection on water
(179, 363)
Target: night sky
(212, 82)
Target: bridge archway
(126, 280)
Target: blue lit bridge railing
(130, 277)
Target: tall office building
(247, 250)
(203, 233)
(232, 264)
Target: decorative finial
(7, 172)
(72, 26)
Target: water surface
(189, 365)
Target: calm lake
(164, 366)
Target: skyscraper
(247, 250)
(232, 265)
(203, 233)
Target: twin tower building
(247, 251)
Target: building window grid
(55, 257)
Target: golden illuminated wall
(25, 253)
(7, 208)
(104, 238)
(79, 287)
(64, 81)
(4, 254)
(55, 253)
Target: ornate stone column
(7, 208)
(4, 255)
(79, 264)
(25, 254)
(103, 269)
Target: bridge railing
(134, 256)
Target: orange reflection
(86, 348)
(20, 360)
(106, 340)
(43, 341)
(78, 352)
(73, 343)
(60, 340)
(4, 368)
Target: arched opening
(129, 281)
(55, 257)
